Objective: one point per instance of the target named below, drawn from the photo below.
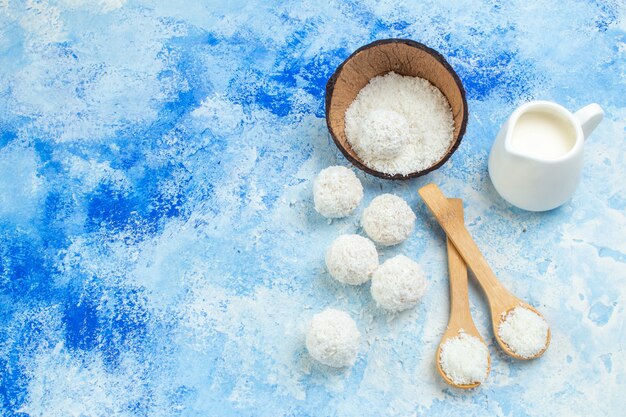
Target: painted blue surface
(159, 253)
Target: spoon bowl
(498, 318)
(443, 374)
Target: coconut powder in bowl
(399, 124)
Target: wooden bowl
(405, 57)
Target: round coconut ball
(398, 284)
(382, 135)
(336, 192)
(388, 220)
(333, 338)
(351, 259)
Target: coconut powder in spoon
(464, 359)
(399, 124)
(524, 331)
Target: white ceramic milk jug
(536, 159)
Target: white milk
(543, 135)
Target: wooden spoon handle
(465, 245)
(459, 302)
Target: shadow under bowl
(404, 57)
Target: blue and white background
(159, 252)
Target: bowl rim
(330, 87)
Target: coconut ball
(333, 338)
(351, 259)
(398, 284)
(381, 135)
(388, 220)
(336, 192)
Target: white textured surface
(398, 284)
(333, 338)
(351, 259)
(388, 220)
(336, 192)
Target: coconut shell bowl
(404, 57)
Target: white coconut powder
(464, 359)
(524, 332)
(399, 124)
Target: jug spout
(589, 118)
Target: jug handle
(589, 118)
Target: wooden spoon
(501, 301)
(460, 316)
